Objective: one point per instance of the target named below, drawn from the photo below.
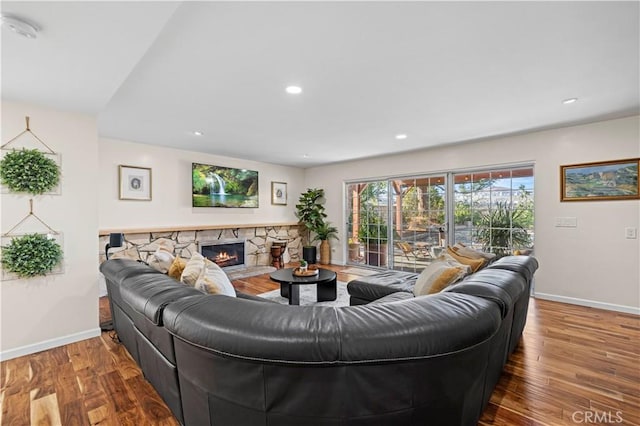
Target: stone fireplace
(228, 254)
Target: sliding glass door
(396, 223)
(494, 210)
(418, 220)
(367, 223)
(402, 222)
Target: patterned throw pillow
(176, 268)
(476, 264)
(161, 259)
(436, 277)
(213, 280)
(192, 271)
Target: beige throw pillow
(213, 280)
(192, 270)
(436, 277)
(161, 259)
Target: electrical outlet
(631, 233)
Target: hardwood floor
(575, 365)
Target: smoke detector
(19, 26)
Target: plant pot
(325, 252)
(309, 254)
(354, 251)
(376, 254)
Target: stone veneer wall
(185, 243)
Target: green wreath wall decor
(29, 170)
(31, 255)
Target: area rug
(250, 271)
(360, 271)
(308, 296)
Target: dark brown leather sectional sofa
(218, 360)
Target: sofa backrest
(411, 328)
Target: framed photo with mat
(279, 193)
(135, 183)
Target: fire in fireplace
(225, 253)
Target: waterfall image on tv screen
(216, 186)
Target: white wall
(593, 264)
(171, 198)
(44, 312)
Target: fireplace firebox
(228, 254)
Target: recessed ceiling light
(401, 136)
(569, 101)
(19, 26)
(294, 90)
(198, 133)
(305, 155)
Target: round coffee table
(290, 284)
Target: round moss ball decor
(30, 171)
(31, 255)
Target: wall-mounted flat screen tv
(216, 186)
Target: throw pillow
(192, 270)
(474, 254)
(476, 264)
(176, 268)
(130, 253)
(213, 280)
(436, 277)
(161, 259)
(446, 257)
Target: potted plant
(303, 266)
(501, 230)
(354, 249)
(311, 215)
(373, 234)
(324, 232)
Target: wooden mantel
(103, 232)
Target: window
(402, 223)
(494, 210)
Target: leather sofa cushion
(393, 297)
(496, 294)
(524, 265)
(149, 294)
(381, 284)
(511, 282)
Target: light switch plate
(566, 222)
(631, 233)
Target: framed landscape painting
(606, 180)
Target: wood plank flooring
(575, 365)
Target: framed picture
(279, 193)
(606, 180)
(135, 183)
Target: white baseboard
(589, 303)
(48, 344)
